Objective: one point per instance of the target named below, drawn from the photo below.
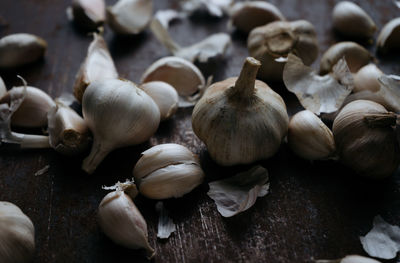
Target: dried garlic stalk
(165, 224)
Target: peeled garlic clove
(123, 223)
(118, 114)
(3, 89)
(352, 21)
(164, 95)
(167, 170)
(366, 140)
(309, 137)
(246, 16)
(349, 259)
(98, 65)
(241, 120)
(181, 74)
(367, 78)
(17, 234)
(88, 14)
(389, 37)
(130, 16)
(356, 56)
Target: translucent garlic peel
(215, 8)
(390, 92)
(389, 37)
(165, 224)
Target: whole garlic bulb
(118, 114)
(241, 120)
(17, 235)
(367, 78)
(167, 170)
(309, 137)
(366, 140)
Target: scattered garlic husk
(166, 171)
(239, 192)
(389, 37)
(352, 21)
(165, 224)
(98, 65)
(367, 78)
(309, 137)
(356, 56)
(319, 94)
(348, 259)
(87, 14)
(366, 140)
(119, 114)
(247, 15)
(3, 89)
(215, 8)
(164, 95)
(274, 41)
(166, 16)
(241, 120)
(130, 16)
(382, 241)
(17, 235)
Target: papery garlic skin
(241, 120)
(3, 89)
(309, 137)
(366, 140)
(88, 14)
(123, 223)
(367, 78)
(118, 114)
(17, 235)
(21, 49)
(167, 170)
(389, 37)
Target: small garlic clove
(130, 16)
(98, 65)
(367, 78)
(167, 170)
(123, 223)
(21, 49)
(389, 37)
(349, 259)
(246, 16)
(88, 14)
(352, 21)
(356, 56)
(164, 95)
(3, 89)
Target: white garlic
(3, 89)
(389, 37)
(352, 21)
(17, 235)
(367, 78)
(349, 259)
(241, 120)
(118, 114)
(130, 16)
(167, 170)
(88, 14)
(164, 95)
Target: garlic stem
(375, 120)
(97, 154)
(245, 83)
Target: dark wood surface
(314, 210)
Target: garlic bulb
(276, 40)
(309, 137)
(246, 16)
(164, 95)
(352, 21)
(349, 259)
(365, 138)
(97, 65)
(241, 120)
(118, 114)
(17, 235)
(367, 78)
(88, 14)
(356, 56)
(167, 170)
(389, 37)
(130, 16)
(123, 223)
(20, 49)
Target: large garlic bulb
(241, 120)
(17, 235)
(366, 140)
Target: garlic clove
(246, 16)
(88, 14)
(352, 21)
(389, 37)
(167, 170)
(164, 95)
(17, 234)
(349, 259)
(3, 89)
(21, 49)
(97, 65)
(215, 8)
(130, 16)
(356, 56)
(123, 223)
(307, 46)
(367, 78)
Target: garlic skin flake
(165, 224)
(367, 78)
(17, 235)
(166, 171)
(88, 14)
(239, 192)
(130, 16)
(349, 259)
(3, 89)
(20, 49)
(118, 114)
(389, 37)
(98, 65)
(215, 8)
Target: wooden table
(314, 210)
